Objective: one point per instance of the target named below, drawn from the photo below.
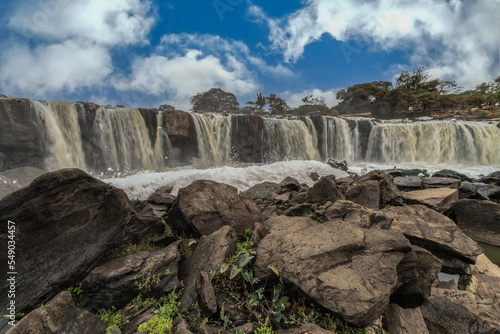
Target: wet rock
(408, 183)
(468, 190)
(439, 199)
(210, 253)
(338, 164)
(448, 173)
(480, 220)
(348, 270)
(324, 190)
(205, 206)
(115, 283)
(71, 223)
(398, 320)
(433, 231)
(441, 182)
(162, 196)
(488, 192)
(60, 315)
(314, 176)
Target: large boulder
(356, 214)
(116, 283)
(453, 312)
(60, 315)
(485, 284)
(480, 220)
(416, 273)
(210, 253)
(408, 183)
(452, 174)
(205, 206)
(366, 194)
(324, 190)
(398, 320)
(388, 192)
(492, 178)
(433, 231)
(346, 269)
(438, 199)
(66, 224)
(441, 182)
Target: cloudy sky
(143, 53)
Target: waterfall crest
(287, 139)
(439, 142)
(213, 134)
(61, 134)
(124, 139)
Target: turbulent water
(61, 133)
(435, 143)
(124, 142)
(141, 185)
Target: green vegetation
(414, 94)
(266, 304)
(145, 247)
(76, 293)
(111, 317)
(164, 317)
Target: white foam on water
(141, 185)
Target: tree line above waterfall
(414, 94)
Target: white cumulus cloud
(456, 39)
(294, 99)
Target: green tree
(214, 100)
(277, 106)
(260, 101)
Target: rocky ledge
(350, 255)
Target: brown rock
(205, 206)
(348, 270)
(438, 199)
(356, 214)
(71, 223)
(480, 220)
(366, 194)
(441, 182)
(210, 253)
(433, 231)
(398, 320)
(60, 315)
(114, 283)
(324, 190)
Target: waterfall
(339, 141)
(162, 140)
(61, 134)
(287, 139)
(439, 142)
(213, 134)
(124, 140)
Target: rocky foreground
(350, 255)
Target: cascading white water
(287, 139)
(162, 139)
(125, 141)
(339, 141)
(213, 134)
(439, 142)
(61, 133)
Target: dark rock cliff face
(247, 138)
(182, 135)
(20, 142)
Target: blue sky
(143, 53)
